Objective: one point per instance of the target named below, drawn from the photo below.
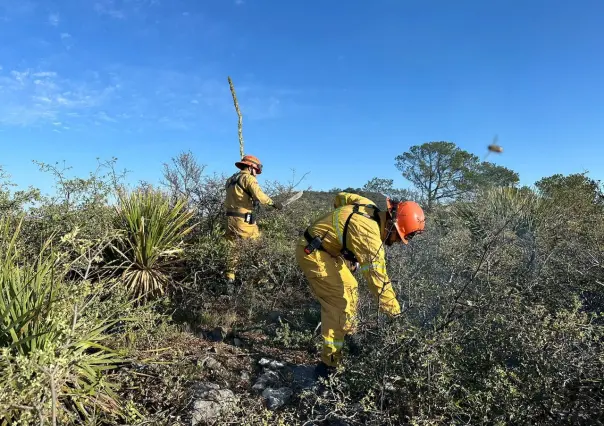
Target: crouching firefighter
(243, 196)
(354, 232)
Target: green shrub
(53, 358)
(76, 203)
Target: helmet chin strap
(392, 214)
(389, 228)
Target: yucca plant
(151, 242)
(53, 358)
(27, 293)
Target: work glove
(278, 205)
(352, 266)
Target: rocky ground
(212, 376)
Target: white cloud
(45, 74)
(107, 7)
(131, 96)
(103, 116)
(121, 9)
(67, 40)
(44, 97)
(54, 19)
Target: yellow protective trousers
(237, 230)
(334, 286)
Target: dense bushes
(502, 302)
(53, 357)
(495, 331)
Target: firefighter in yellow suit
(345, 198)
(356, 231)
(243, 194)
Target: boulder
(265, 380)
(210, 403)
(276, 398)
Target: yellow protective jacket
(346, 198)
(363, 239)
(242, 190)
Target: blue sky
(337, 89)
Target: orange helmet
(250, 160)
(409, 218)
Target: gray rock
(245, 376)
(237, 342)
(276, 398)
(267, 379)
(265, 362)
(213, 365)
(203, 388)
(211, 402)
(276, 364)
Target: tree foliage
(441, 172)
(386, 187)
(490, 175)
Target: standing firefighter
(243, 195)
(354, 233)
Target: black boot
(353, 343)
(323, 370)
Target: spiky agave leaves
(26, 296)
(43, 345)
(151, 242)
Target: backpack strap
(237, 181)
(346, 253)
